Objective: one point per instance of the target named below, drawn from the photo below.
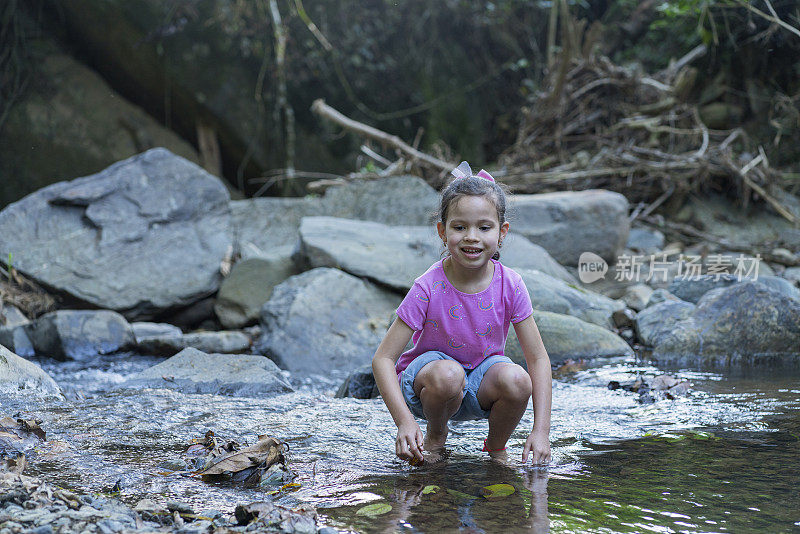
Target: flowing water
(724, 458)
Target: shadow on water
(725, 458)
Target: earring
(500, 243)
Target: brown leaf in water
(265, 452)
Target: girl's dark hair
(475, 187)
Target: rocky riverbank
(30, 505)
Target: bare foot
(501, 457)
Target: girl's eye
(458, 227)
(486, 228)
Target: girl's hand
(409, 443)
(538, 445)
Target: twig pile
(599, 125)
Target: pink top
(469, 327)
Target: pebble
(30, 505)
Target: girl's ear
(504, 230)
(440, 229)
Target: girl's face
(472, 231)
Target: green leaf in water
(371, 510)
(497, 491)
(430, 489)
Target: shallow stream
(724, 458)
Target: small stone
(181, 507)
(44, 529)
(623, 318)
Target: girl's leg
(504, 390)
(440, 387)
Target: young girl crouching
(457, 314)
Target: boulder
(392, 256)
(361, 248)
(15, 338)
(145, 329)
(659, 319)
(519, 253)
(324, 319)
(144, 235)
(553, 295)
(637, 296)
(224, 342)
(567, 337)
(262, 225)
(360, 384)
(743, 323)
(76, 334)
(645, 240)
(193, 371)
(658, 296)
(249, 285)
(18, 376)
(793, 275)
(12, 331)
(394, 200)
(693, 289)
(569, 223)
(71, 123)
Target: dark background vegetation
(459, 71)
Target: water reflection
(448, 496)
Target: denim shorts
(470, 407)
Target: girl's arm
(409, 440)
(538, 443)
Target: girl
(458, 313)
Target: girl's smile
(472, 232)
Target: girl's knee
(444, 378)
(514, 383)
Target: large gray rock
(263, 224)
(659, 319)
(249, 285)
(193, 371)
(395, 200)
(76, 334)
(572, 222)
(693, 289)
(395, 255)
(325, 319)
(391, 256)
(18, 376)
(146, 234)
(553, 295)
(566, 337)
(744, 323)
(223, 342)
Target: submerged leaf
(263, 453)
(371, 510)
(430, 489)
(497, 491)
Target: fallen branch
(326, 112)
